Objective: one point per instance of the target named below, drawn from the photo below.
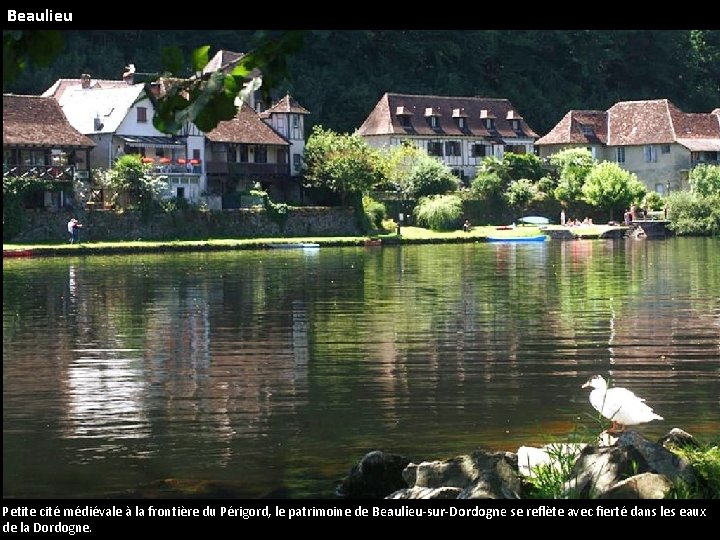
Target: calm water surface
(276, 371)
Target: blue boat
(536, 238)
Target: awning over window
(156, 141)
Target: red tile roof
(286, 105)
(246, 128)
(385, 117)
(578, 127)
(637, 123)
(38, 121)
(640, 122)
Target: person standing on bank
(73, 226)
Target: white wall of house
(292, 127)
(657, 164)
(466, 162)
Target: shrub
(690, 214)
(439, 212)
(375, 211)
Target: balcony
(247, 170)
(54, 173)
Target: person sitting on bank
(73, 226)
(466, 226)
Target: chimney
(155, 89)
(129, 74)
(85, 81)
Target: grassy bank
(408, 235)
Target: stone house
(460, 131)
(653, 139)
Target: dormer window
(405, 120)
(515, 125)
(433, 118)
(487, 119)
(587, 130)
(461, 122)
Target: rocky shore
(625, 467)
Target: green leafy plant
(439, 212)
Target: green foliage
(692, 214)
(439, 212)
(518, 166)
(400, 162)
(131, 179)
(15, 192)
(705, 462)
(429, 176)
(24, 48)
(375, 211)
(276, 212)
(705, 180)
(653, 201)
(550, 480)
(610, 187)
(572, 166)
(487, 185)
(343, 163)
(520, 193)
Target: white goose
(619, 405)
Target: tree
(610, 187)
(573, 165)
(430, 176)
(520, 193)
(705, 180)
(130, 178)
(343, 163)
(517, 166)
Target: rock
(641, 486)
(529, 457)
(677, 438)
(659, 459)
(599, 469)
(376, 476)
(480, 475)
(426, 493)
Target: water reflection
(278, 370)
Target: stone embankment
(627, 467)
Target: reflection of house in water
(230, 384)
(106, 393)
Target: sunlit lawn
(411, 234)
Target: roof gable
(38, 121)
(246, 128)
(578, 127)
(109, 106)
(288, 104)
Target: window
(665, 149)
(297, 161)
(514, 149)
(435, 149)
(142, 115)
(461, 123)
(490, 123)
(434, 122)
(587, 130)
(281, 124)
(260, 154)
(296, 131)
(405, 120)
(515, 125)
(243, 152)
(620, 154)
(452, 148)
(479, 150)
(650, 153)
